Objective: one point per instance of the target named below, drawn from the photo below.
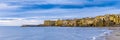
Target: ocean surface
(52, 33)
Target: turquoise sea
(52, 33)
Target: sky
(19, 12)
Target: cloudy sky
(18, 12)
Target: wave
(102, 36)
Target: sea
(53, 33)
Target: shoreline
(103, 35)
(114, 35)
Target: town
(107, 20)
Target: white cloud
(47, 1)
(72, 12)
(5, 7)
(35, 16)
(66, 1)
(59, 13)
(19, 22)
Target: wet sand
(115, 35)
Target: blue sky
(19, 12)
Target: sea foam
(102, 36)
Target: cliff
(98, 21)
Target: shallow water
(51, 33)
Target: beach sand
(115, 35)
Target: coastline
(114, 35)
(103, 35)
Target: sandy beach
(115, 35)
